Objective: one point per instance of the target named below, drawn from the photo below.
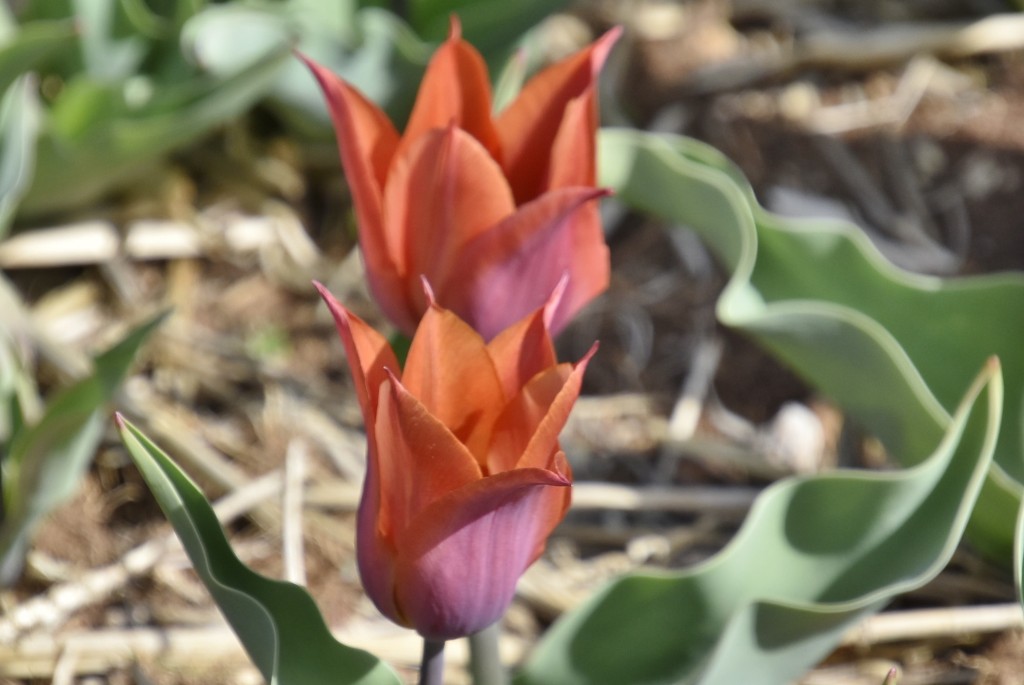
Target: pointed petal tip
(588, 356)
(580, 195)
(325, 293)
(119, 420)
(555, 299)
(428, 291)
(612, 34)
(337, 309)
(454, 27)
(603, 46)
(319, 71)
(559, 479)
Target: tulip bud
(492, 210)
(465, 478)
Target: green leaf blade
(827, 550)
(894, 349)
(46, 460)
(277, 622)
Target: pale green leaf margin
(894, 349)
(816, 553)
(277, 622)
(814, 556)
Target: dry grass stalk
(51, 609)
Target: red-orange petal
(368, 356)
(509, 271)
(451, 373)
(544, 442)
(367, 141)
(527, 128)
(556, 501)
(367, 352)
(456, 89)
(467, 551)
(524, 349)
(420, 460)
(443, 192)
(522, 415)
(573, 153)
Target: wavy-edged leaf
(46, 460)
(277, 622)
(893, 348)
(814, 555)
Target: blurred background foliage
(122, 83)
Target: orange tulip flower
(492, 210)
(465, 479)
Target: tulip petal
(573, 154)
(590, 268)
(524, 349)
(375, 554)
(420, 460)
(367, 139)
(544, 442)
(442, 193)
(519, 421)
(556, 501)
(367, 352)
(455, 90)
(526, 433)
(368, 355)
(458, 573)
(451, 373)
(509, 271)
(367, 142)
(528, 127)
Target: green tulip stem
(432, 668)
(484, 659)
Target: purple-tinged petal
(511, 269)
(466, 552)
(420, 460)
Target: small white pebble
(796, 439)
